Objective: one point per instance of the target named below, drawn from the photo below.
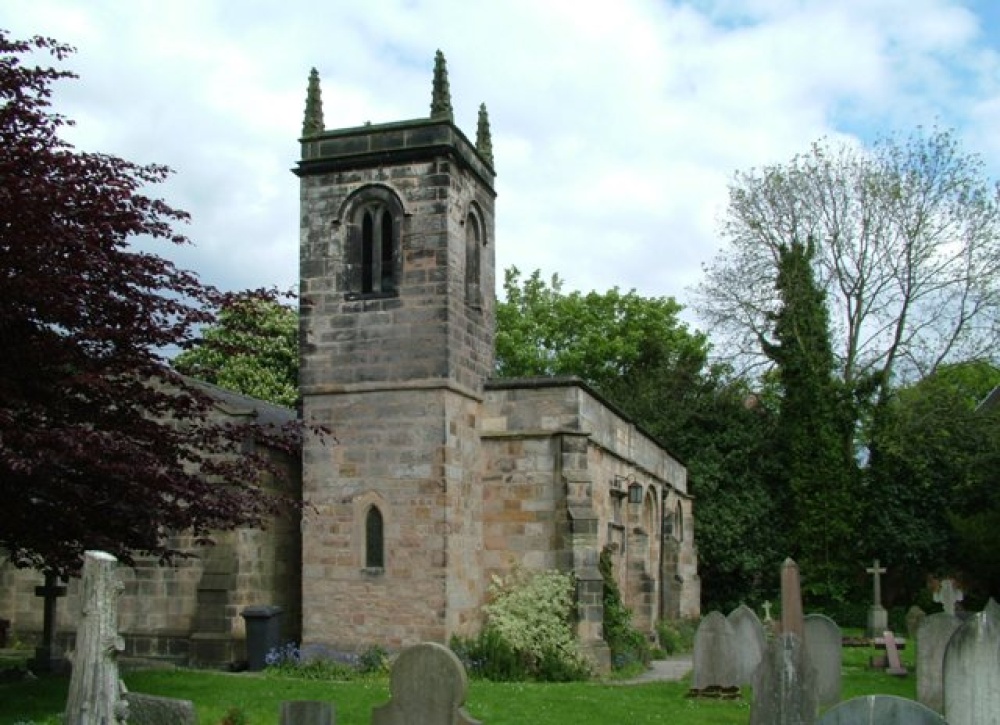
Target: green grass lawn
(258, 696)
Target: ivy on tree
(102, 445)
(815, 421)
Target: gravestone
(791, 599)
(152, 710)
(714, 660)
(47, 657)
(307, 712)
(932, 639)
(95, 691)
(880, 710)
(748, 642)
(915, 616)
(972, 670)
(895, 666)
(878, 618)
(784, 690)
(427, 686)
(823, 647)
(948, 595)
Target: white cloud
(616, 125)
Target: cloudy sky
(616, 125)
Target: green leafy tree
(598, 337)
(931, 502)
(253, 349)
(815, 423)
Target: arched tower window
(377, 250)
(372, 247)
(374, 539)
(473, 264)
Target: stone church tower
(397, 320)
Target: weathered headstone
(307, 712)
(152, 710)
(748, 642)
(932, 639)
(95, 692)
(948, 595)
(427, 686)
(915, 616)
(767, 612)
(824, 649)
(972, 671)
(785, 683)
(47, 657)
(878, 618)
(784, 689)
(714, 661)
(892, 654)
(880, 710)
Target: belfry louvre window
(473, 256)
(377, 250)
(374, 540)
(372, 257)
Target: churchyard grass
(258, 697)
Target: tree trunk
(95, 692)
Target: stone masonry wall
(389, 453)
(523, 421)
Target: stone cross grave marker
(47, 658)
(876, 571)
(948, 595)
(878, 618)
(892, 652)
(767, 611)
(427, 686)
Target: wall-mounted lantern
(635, 493)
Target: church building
(436, 476)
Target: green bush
(676, 635)
(490, 657)
(529, 632)
(374, 661)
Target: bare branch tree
(908, 249)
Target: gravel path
(671, 669)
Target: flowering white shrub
(533, 614)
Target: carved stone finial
(441, 96)
(484, 142)
(313, 121)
